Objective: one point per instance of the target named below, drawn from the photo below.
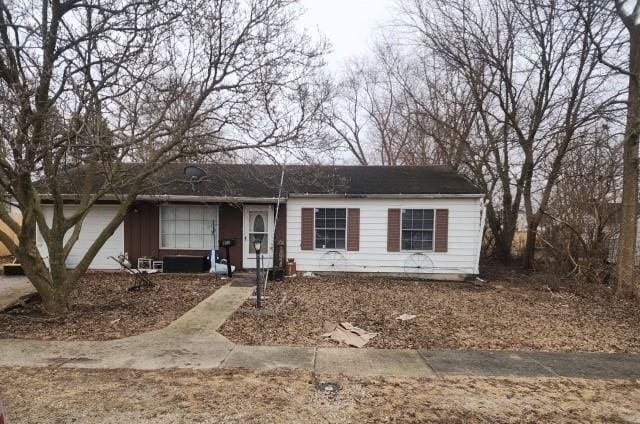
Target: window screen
(330, 224)
(417, 229)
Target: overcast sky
(350, 25)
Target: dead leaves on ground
(499, 315)
(103, 309)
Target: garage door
(93, 224)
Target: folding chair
(141, 276)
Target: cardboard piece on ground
(347, 333)
(328, 326)
(406, 317)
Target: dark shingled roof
(264, 180)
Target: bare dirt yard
(504, 314)
(103, 309)
(54, 395)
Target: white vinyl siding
(463, 241)
(188, 227)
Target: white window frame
(346, 225)
(433, 230)
(216, 227)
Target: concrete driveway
(12, 288)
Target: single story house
(366, 219)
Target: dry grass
(102, 308)
(501, 315)
(186, 396)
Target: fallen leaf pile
(103, 309)
(501, 315)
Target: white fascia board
(387, 196)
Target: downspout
(275, 226)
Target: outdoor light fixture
(257, 245)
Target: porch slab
(270, 357)
(484, 363)
(372, 362)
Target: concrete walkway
(192, 341)
(13, 288)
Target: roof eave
(388, 196)
(161, 198)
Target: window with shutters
(330, 227)
(417, 229)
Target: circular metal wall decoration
(418, 263)
(333, 261)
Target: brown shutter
(353, 229)
(393, 230)
(306, 234)
(442, 230)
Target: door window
(258, 224)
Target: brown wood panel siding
(281, 235)
(442, 230)
(306, 233)
(353, 229)
(230, 226)
(393, 230)
(142, 233)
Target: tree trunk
(53, 287)
(503, 231)
(55, 303)
(529, 256)
(626, 286)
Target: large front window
(330, 224)
(188, 227)
(417, 229)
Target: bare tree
(629, 14)
(580, 222)
(535, 81)
(87, 86)
(347, 118)
(371, 112)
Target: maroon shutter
(393, 230)
(306, 234)
(442, 230)
(353, 229)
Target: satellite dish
(193, 172)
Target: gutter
(387, 196)
(180, 198)
(212, 199)
(283, 199)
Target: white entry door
(258, 225)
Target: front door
(258, 225)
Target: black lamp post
(257, 244)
